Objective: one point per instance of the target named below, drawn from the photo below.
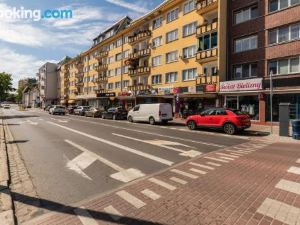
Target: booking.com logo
(36, 14)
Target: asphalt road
(72, 158)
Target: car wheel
(192, 125)
(130, 119)
(152, 121)
(229, 128)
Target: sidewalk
(253, 183)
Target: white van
(152, 113)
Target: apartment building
(176, 53)
(264, 41)
(47, 84)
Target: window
(284, 66)
(157, 42)
(125, 39)
(208, 41)
(110, 86)
(119, 42)
(189, 29)
(125, 69)
(156, 79)
(118, 56)
(172, 15)
(171, 56)
(117, 84)
(276, 5)
(189, 6)
(126, 54)
(283, 34)
(172, 36)
(171, 77)
(189, 52)
(111, 73)
(245, 14)
(156, 61)
(245, 71)
(245, 44)
(118, 71)
(110, 59)
(125, 83)
(189, 74)
(157, 23)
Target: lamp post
(271, 99)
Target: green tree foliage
(5, 85)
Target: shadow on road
(17, 142)
(61, 208)
(5, 117)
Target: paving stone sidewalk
(247, 184)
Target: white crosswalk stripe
(134, 201)
(202, 166)
(85, 217)
(213, 164)
(226, 155)
(198, 171)
(289, 186)
(184, 173)
(114, 214)
(178, 180)
(162, 183)
(216, 159)
(150, 194)
(294, 170)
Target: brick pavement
(235, 185)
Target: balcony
(101, 55)
(207, 55)
(142, 35)
(79, 83)
(139, 71)
(139, 87)
(207, 28)
(101, 79)
(204, 79)
(101, 67)
(79, 75)
(139, 54)
(205, 6)
(79, 64)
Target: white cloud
(131, 6)
(19, 65)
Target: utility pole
(271, 99)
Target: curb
(6, 203)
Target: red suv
(230, 121)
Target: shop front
(246, 96)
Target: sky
(25, 45)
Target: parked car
(93, 112)
(80, 110)
(230, 121)
(47, 108)
(71, 108)
(152, 113)
(6, 106)
(57, 109)
(115, 113)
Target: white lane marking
(162, 183)
(63, 121)
(213, 164)
(87, 158)
(178, 180)
(226, 158)
(289, 186)
(202, 166)
(32, 123)
(164, 144)
(114, 214)
(155, 134)
(85, 217)
(150, 194)
(118, 146)
(198, 171)
(216, 159)
(294, 170)
(227, 155)
(41, 119)
(184, 173)
(134, 201)
(280, 211)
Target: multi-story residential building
(176, 53)
(264, 41)
(47, 84)
(27, 81)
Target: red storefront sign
(210, 88)
(241, 85)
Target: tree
(5, 85)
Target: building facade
(264, 41)
(173, 54)
(48, 84)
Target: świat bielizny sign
(241, 85)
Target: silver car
(57, 109)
